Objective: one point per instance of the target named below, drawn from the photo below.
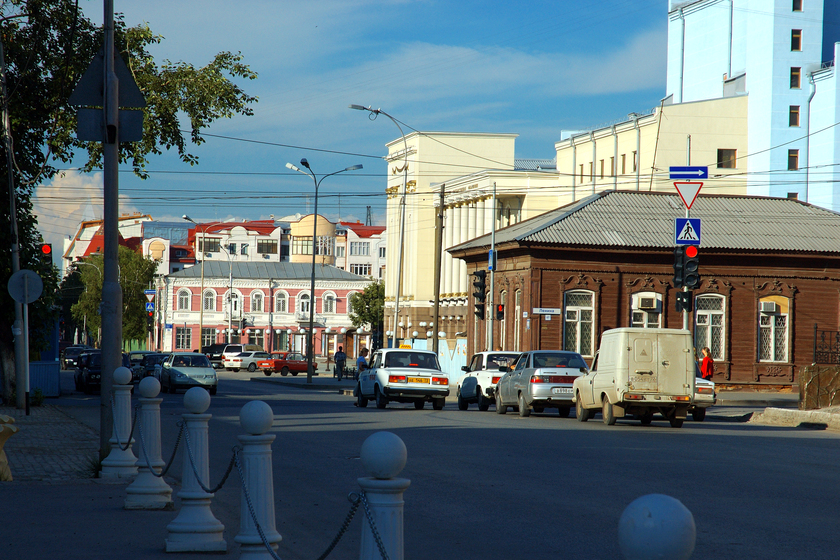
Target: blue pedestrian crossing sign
(150, 306)
(687, 231)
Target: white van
(639, 372)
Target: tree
(47, 45)
(368, 306)
(136, 274)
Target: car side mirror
(465, 368)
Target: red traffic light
(691, 251)
(46, 249)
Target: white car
(540, 379)
(704, 397)
(402, 375)
(244, 360)
(479, 384)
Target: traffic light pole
(685, 288)
(492, 272)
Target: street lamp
(373, 114)
(310, 348)
(201, 289)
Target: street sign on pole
(686, 231)
(150, 294)
(688, 191)
(150, 306)
(689, 172)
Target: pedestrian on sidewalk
(707, 366)
(340, 361)
(361, 363)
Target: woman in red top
(707, 366)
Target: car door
(366, 378)
(469, 383)
(522, 375)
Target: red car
(285, 363)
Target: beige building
(468, 168)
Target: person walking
(707, 366)
(340, 361)
(361, 363)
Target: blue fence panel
(45, 376)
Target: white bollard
(656, 527)
(149, 491)
(121, 463)
(256, 418)
(195, 529)
(383, 456)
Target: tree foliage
(47, 46)
(136, 275)
(368, 305)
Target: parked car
(231, 350)
(704, 396)
(540, 379)
(285, 363)
(146, 367)
(403, 376)
(214, 354)
(88, 374)
(640, 372)
(479, 384)
(182, 370)
(136, 356)
(244, 360)
(70, 355)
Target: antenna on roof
(368, 219)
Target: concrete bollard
(383, 456)
(256, 418)
(656, 527)
(195, 529)
(149, 491)
(121, 463)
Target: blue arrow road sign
(687, 231)
(150, 306)
(689, 172)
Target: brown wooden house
(769, 288)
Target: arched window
(773, 322)
(184, 297)
(234, 302)
(577, 324)
(303, 303)
(281, 302)
(709, 324)
(517, 320)
(350, 302)
(328, 303)
(257, 302)
(209, 300)
(503, 323)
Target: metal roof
(535, 164)
(268, 270)
(646, 220)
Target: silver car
(182, 370)
(540, 379)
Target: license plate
(418, 380)
(562, 390)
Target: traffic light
(243, 323)
(500, 312)
(691, 265)
(684, 300)
(46, 252)
(679, 266)
(150, 320)
(480, 293)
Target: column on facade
(462, 268)
(455, 210)
(489, 214)
(480, 212)
(446, 258)
(472, 218)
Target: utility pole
(492, 267)
(438, 261)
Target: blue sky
(534, 68)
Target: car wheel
(361, 401)
(607, 412)
(500, 408)
(462, 403)
(646, 418)
(419, 404)
(564, 411)
(676, 422)
(294, 374)
(539, 409)
(213, 390)
(285, 371)
(438, 404)
(483, 402)
(267, 372)
(524, 410)
(235, 370)
(581, 413)
(699, 414)
(252, 367)
(381, 401)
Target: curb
(814, 419)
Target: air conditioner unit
(768, 307)
(648, 303)
(266, 256)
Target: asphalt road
(490, 486)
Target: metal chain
(251, 510)
(373, 530)
(174, 451)
(195, 471)
(133, 423)
(354, 501)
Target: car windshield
(72, 352)
(554, 360)
(191, 360)
(411, 359)
(495, 361)
(95, 360)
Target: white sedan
(403, 375)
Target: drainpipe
(808, 137)
(574, 166)
(594, 171)
(731, 16)
(682, 55)
(614, 169)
